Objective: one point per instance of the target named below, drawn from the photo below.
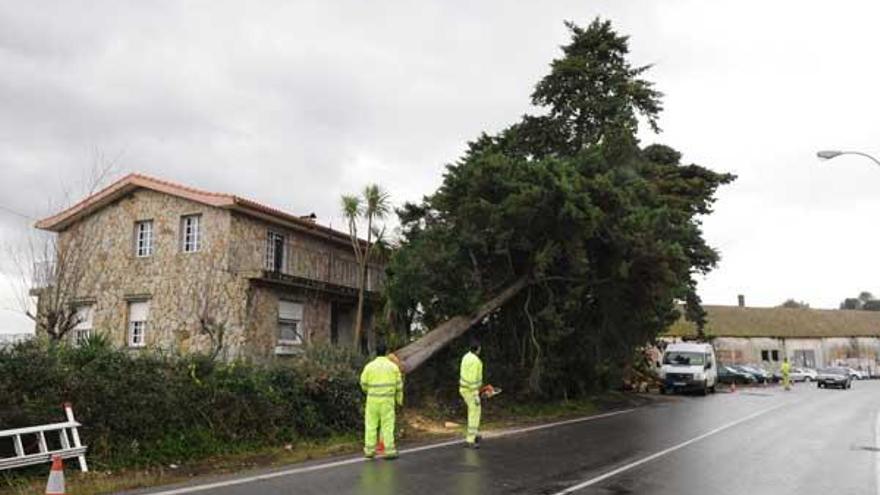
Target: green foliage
(872, 305)
(864, 302)
(146, 408)
(371, 207)
(608, 232)
(793, 304)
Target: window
(684, 358)
(775, 355)
(765, 355)
(138, 314)
(83, 328)
(290, 315)
(143, 238)
(190, 233)
(274, 252)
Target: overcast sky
(294, 103)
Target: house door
(342, 324)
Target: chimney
(311, 218)
(742, 300)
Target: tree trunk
(362, 286)
(359, 317)
(413, 355)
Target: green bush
(145, 408)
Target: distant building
(164, 260)
(807, 337)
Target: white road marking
(356, 460)
(877, 453)
(656, 455)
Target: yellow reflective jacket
(471, 375)
(381, 381)
(786, 367)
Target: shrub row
(147, 407)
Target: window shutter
(139, 311)
(290, 310)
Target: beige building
(810, 338)
(168, 266)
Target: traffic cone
(55, 486)
(380, 446)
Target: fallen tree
(413, 355)
(601, 235)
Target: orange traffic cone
(55, 486)
(380, 446)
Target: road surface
(755, 441)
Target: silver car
(834, 377)
(803, 375)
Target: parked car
(811, 374)
(856, 374)
(689, 366)
(760, 375)
(729, 375)
(797, 375)
(834, 377)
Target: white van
(689, 366)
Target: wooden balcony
(287, 262)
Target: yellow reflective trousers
(382, 382)
(786, 375)
(469, 383)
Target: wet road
(755, 441)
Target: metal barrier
(68, 437)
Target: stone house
(811, 338)
(177, 268)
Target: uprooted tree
(561, 240)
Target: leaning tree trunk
(413, 355)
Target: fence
(68, 443)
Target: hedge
(145, 408)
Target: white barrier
(68, 437)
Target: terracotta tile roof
(733, 321)
(131, 182)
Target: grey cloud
(293, 103)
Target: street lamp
(829, 154)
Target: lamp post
(829, 154)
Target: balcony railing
(283, 258)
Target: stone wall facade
(222, 280)
(327, 317)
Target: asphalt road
(755, 441)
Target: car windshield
(684, 358)
(833, 371)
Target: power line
(18, 214)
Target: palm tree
(372, 206)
